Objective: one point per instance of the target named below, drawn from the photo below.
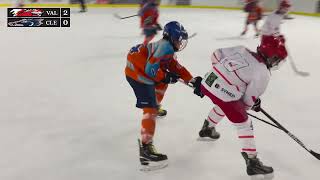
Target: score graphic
(38, 17)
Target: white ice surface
(67, 112)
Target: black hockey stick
(316, 155)
(192, 35)
(119, 17)
(263, 121)
(187, 84)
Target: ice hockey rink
(67, 112)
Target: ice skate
(208, 133)
(149, 158)
(256, 170)
(161, 112)
(83, 10)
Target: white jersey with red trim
(236, 74)
(271, 26)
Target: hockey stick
(263, 121)
(187, 84)
(192, 35)
(316, 155)
(295, 69)
(119, 17)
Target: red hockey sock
(148, 124)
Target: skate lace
(257, 161)
(213, 130)
(152, 149)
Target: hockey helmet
(284, 6)
(175, 33)
(273, 51)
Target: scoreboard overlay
(38, 17)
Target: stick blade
(117, 16)
(303, 74)
(316, 155)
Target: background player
(149, 15)
(234, 84)
(21, 3)
(254, 11)
(82, 6)
(271, 26)
(286, 3)
(149, 66)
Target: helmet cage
(175, 33)
(274, 62)
(180, 44)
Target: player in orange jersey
(150, 68)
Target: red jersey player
(149, 15)
(254, 15)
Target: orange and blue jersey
(148, 64)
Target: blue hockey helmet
(175, 33)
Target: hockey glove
(170, 78)
(159, 28)
(196, 83)
(257, 105)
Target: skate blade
(206, 139)
(152, 166)
(262, 177)
(161, 117)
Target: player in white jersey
(237, 79)
(271, 26)
(287, 3)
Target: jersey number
(234, 62)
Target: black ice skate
(255, 168)
(208, 133)
(161, 112)
(150, 159)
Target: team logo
(26, 12)
(26, 23)
(210, 79)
